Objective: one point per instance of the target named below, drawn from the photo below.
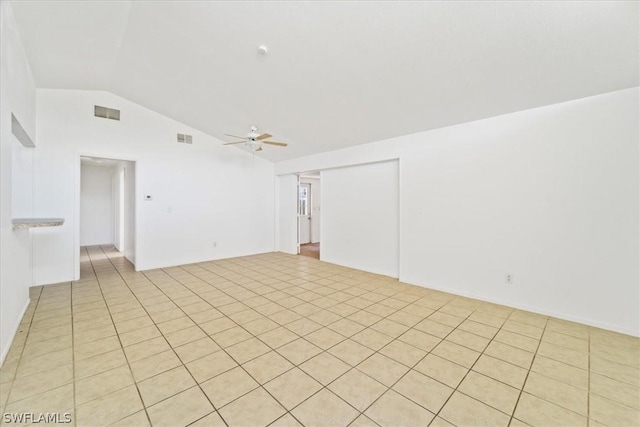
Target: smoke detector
(262, 50)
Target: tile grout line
(172, 349)
(121, 345)
(323, 350)
(394, 338)
(526, 378)
(244, 275)
(22, 350)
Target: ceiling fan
(254, 140)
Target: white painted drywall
(118, 208)
(17, 96)
(287, 214)
(316, 204)
(97, 208)
(125, 171)
(129, 210)
(549, 195)
(203, 193)
(360, 217)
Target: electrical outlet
(508, 278)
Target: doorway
(107, 206)
(309, 201)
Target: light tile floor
(285, 340)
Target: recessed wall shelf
(20, 133)
(19, 223)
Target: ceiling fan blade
(264, 136)
(231, 143)
(279, 144)
(235, 136)
(259, 149)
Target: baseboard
(562, 316)
(5, 350)
(368, 269)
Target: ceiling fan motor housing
(253, 134)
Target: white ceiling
(337, 73)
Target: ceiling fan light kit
(254, 140)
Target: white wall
(202, 193)
(316, 204)
(17, 96)
(118, 208)
(129, 249)
(287, 214)
(97, 209)
(360, 217)
(549, 195)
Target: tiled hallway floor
(291, 340)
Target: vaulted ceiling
(337, 73)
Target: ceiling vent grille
(106, 113)
(185, 139)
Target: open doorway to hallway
(309, 203)
(107, 205)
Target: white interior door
(304, 212)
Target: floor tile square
(404, 353)
(423, 390)
(154, 365)
(500, 370)
(346, 327)
(535, 411)
(491, 392)
(165, 385)
(463, 410)
(358, 389)
(350, 352)
(231, 336)
(419, 339)
(456, 353)
(298, 351)
(292, 387)
(181, 409)
(247, 350)
(557, 392)
(100, 363)
(325, 367)
(101, 384)
(509, 354)
(267, 366)
(185, 336)
(209, 366)
(562, 372)
(383, 369)
(147, 348)
(256, 408)
(325, 409)
(303, 326)
(443, 370)
(196, 349)
(373, 339)
(324, 338)
(228, 386)
(393, 409)
(109, 408)
(469, 340)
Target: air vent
(106, 113)
(185, 139)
